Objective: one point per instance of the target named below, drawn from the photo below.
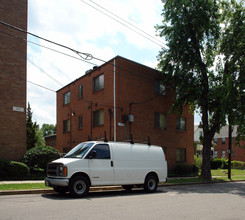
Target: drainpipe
(115, 113)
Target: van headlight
(62, 170)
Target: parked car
(107, 163)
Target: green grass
(22, 186)
(224, 172)
(218, 175)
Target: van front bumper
(56, 182)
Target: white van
(107, 163)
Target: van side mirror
(92, 154)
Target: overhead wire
(77, 52)
(121, 22)
(134, 26)
(98, 59)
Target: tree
(48, 129)
(40, 138)
(193, 31)
(232, 47)
(31, 129)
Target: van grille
(53, 169)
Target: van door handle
(111, 163)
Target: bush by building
(39, 157)
(186, 170)
(13, 170)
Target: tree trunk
(229, 151)
(206, 163)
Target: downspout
(115, 113)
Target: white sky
(77, 25)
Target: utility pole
(229, 150)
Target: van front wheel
(79, 186)
(150, 184)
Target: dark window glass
(160, 120)
(80, 91)
(180, 155)
(66, 98)
(98, 117)
(181, 124)
(66, 126)
(98, 83)
(102, 151)
(159, 88)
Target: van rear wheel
(150, 184)
(79, 186)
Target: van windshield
(79, 151)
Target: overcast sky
(82, 25)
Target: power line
(11, 26)
(98, 59)
(45, 72)
(155, 39)
(121, 22)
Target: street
(205, 201)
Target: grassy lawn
(224, 172)
(23, 186)
(218, 175)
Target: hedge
(13, 170)
(39, 157)
(186, 169)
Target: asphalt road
(208, 201)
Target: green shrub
(224, 163)
(186, 169)
(198, 162)
(216, 163)
(13, 170)
(237, 164)
(39, 157)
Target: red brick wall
(13, 80)
(239, 153)
(134, 83)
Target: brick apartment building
(13, 50)
(220, 144)
(123, 98)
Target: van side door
(100, 165)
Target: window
(215, 154)
(80, 91)
(160, 88)
(223, 153)
(98, 117)
(66, 126)
(181, 124)
(102, 151)
(232, 153)
(80, 122)
(66, 98)
(160, 120)
(98, 83)
(223, 140)
(216, 140)
(180, 155)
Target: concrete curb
(47, 191)
(106, 188)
